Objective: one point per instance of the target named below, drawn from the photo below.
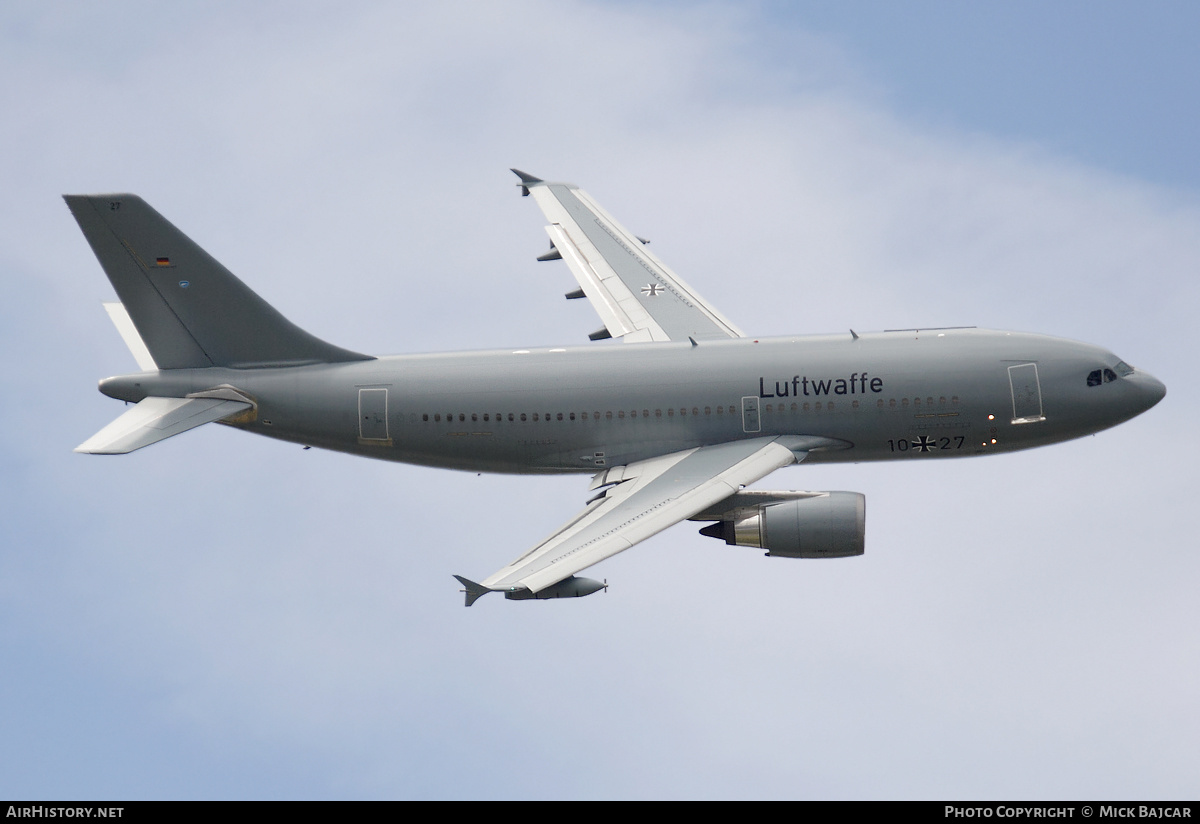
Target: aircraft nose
(1153, 390)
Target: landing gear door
(750, 421)
(1026, 393)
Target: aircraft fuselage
(910, 394)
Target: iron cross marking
(924, 444)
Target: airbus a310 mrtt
(672, 425)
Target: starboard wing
(635, 294)
(640, 500)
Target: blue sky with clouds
(219, 617)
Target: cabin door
(1026, 393)
(750, 421)
(372, 415)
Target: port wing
(635, 294)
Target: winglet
(527, 180)
(473, 590)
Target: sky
(225, 617)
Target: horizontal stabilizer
(155, 419)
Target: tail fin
(189, 309)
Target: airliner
(673, 424)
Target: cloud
(268, 622)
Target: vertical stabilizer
(189, 310)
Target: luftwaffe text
(856, 384)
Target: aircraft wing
(640, 499)
(635, 294)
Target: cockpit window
(1123, 369)
(1099, 376)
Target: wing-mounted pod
(815, 525)
(573, 587)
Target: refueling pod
(573, 587)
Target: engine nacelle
(825, 525)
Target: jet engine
(818, 525)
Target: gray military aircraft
(673, 425)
